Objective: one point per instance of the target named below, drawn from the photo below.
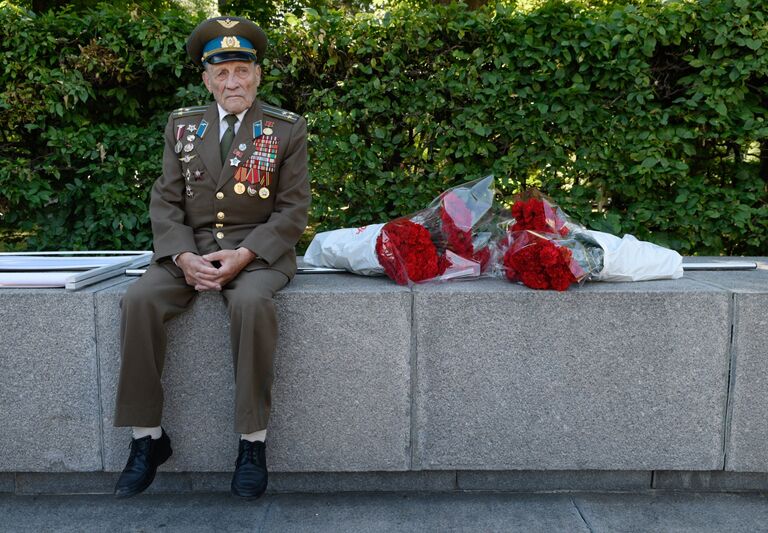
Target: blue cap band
(234, 46)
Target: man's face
(233, 84)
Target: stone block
(343, 376)
(7, 482)
(65, 483)
(717, 481)
(737, 280)
(553, 480)
(747, 426)
(197, 380)
(49, 403)
(342, 379)
(190, 482)
(31, 483)
(608, 376)
(330, 482)
(748, 430)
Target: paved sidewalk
(391, 512)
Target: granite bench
(465, 385)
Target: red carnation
(456, 221)
(536, 214)
(540, 263)
(406, 252)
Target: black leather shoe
(250, 479)
(139, 472)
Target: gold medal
(239, 188)
(264, 193)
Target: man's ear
(258, 75)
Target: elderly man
(226, 214)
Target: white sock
(256, 435)
(140, 433)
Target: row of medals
(239, 187)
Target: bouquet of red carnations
(543, 248)
(451, 238)
(462, 234)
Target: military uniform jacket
(258, 198)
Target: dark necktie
(228, 137)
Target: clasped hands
(201, 274)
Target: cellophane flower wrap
(451, 238)
(463, 234)
(543, 248)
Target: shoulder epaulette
(184, 111)
(277, 112)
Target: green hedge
(645, 119)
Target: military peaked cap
(221, 39)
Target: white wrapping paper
(628, 259)
(353, 249)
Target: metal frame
(133, 260)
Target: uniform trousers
(159, 296)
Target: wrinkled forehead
(229, 66)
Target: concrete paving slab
(391, 512)
(144, 513)
(424, 513)
(530, 481)
(344, 344)
(287, 513)
(49, 389)
(607, 376)
(694, 512)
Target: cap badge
(230, 41)
(228, 23)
